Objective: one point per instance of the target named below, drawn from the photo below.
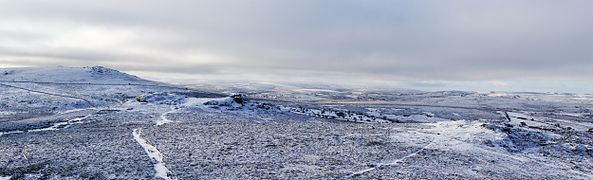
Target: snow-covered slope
(26, 94)
(96, 74)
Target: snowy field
(98, 123)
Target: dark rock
(239, 98)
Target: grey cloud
(422, 40)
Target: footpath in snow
(154, 154)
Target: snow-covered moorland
(95, 122)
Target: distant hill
(95, 74)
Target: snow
(236, 103)
(154, 154)
(373, 112)
(5, 177)
(187, 102)
(453, 132)
(76, 110)
(62, 125)
(229, 103)
(572, 114)
(503, 95)
(54, 126)
(315, 90)
(164, 119)
(524, 119)
(8, 113)
(11, 132)
(415, 118)
(334, 114)
(392, 163)
(519, 119)
(96, 74)
(281, 134)
(162, 98)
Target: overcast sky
(519, 45)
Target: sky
(502, 45)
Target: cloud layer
(309, 40)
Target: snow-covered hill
(30, 94)
(94, 75)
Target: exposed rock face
(101, 70)
(239, 98)
(237, 102)
(161, 98)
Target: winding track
(392, 163)
(155, 155)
